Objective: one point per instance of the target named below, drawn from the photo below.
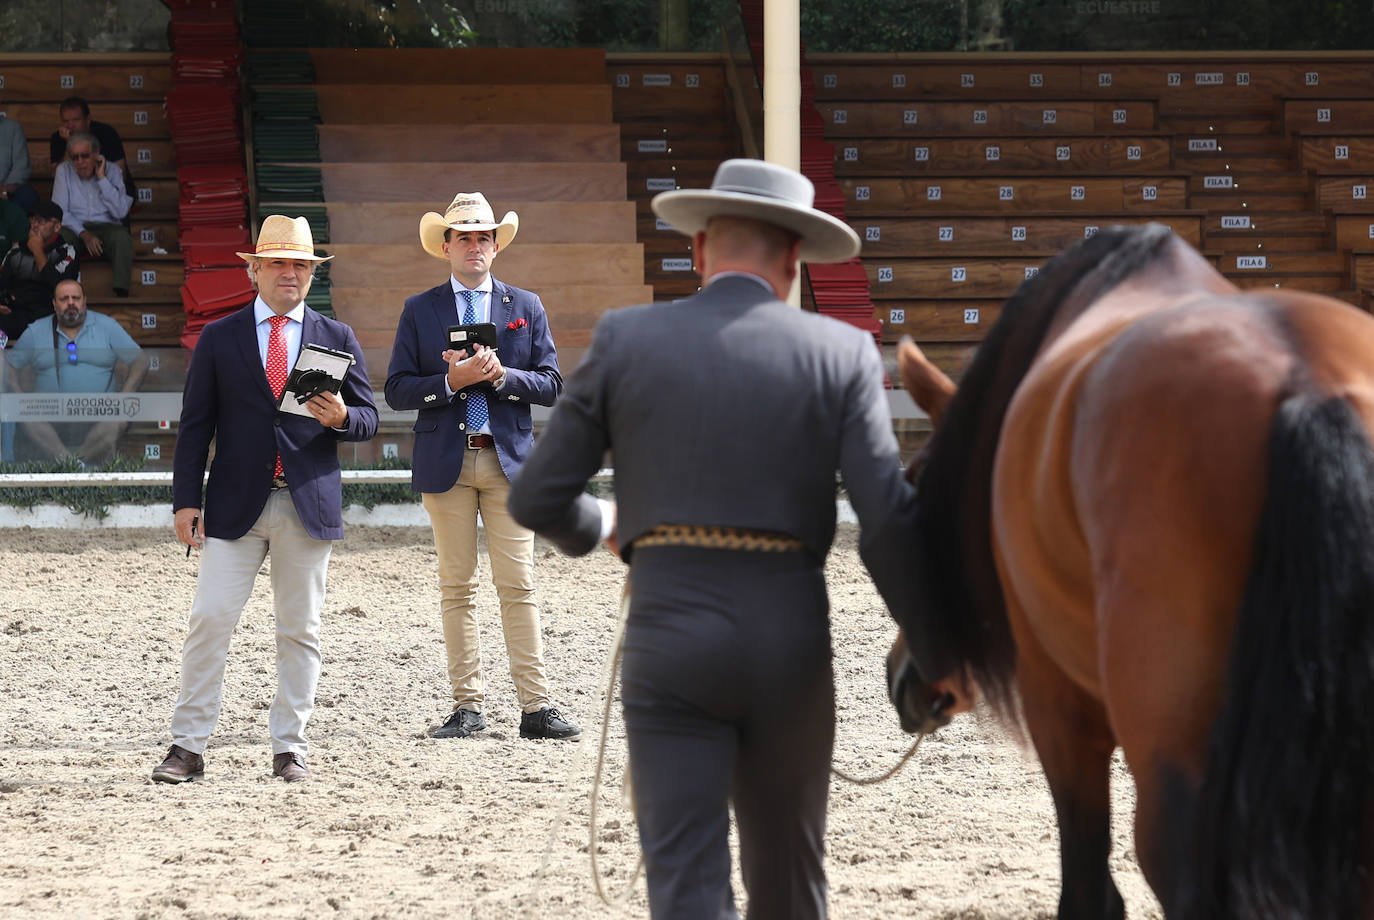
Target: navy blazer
(227, 399)
(415, 380)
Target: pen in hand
(194, 521)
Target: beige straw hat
(468, 211)
(284, 238)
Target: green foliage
(95, 501)
(880, 25)
(89, 501)
(369, 495)
(1210, 25)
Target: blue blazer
(415, 380)
(227, 399)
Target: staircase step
(1248, 221)
(1240, 202)
(1200, 126)
(1186, 144)
(1249, 163)
(1234, 180)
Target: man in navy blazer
(472, 434)
(275, 487)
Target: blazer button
(277, 422)
(462, 396)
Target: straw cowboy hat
(284, 238)
(766, 192)
(468, 211)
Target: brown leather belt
(709, 537)
(479, 441)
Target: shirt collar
(458, 286)
(750, 275)
(262, 312)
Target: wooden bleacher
(962, 172)
(404, 131)
(126, 92)
(677, 124)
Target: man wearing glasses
(74, 351)
(90, 190)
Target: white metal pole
(782, 91)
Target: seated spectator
(14, 165)
(14, 225)
(74, 351)
(31, 268)
(90, 191)
(75, 115)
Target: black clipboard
(318, 369)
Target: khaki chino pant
(482, 488)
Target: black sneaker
(547, 723)
(462, 723)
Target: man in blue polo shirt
(74, 351)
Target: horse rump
(1283, 812)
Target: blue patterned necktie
(477, 399)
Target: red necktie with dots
(276, 366)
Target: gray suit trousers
(729, 698)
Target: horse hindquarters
(1282, 813)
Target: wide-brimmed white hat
(468, 211)
(284, 238)
(762, 191)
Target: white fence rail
(53, 480)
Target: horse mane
(954, 518)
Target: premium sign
(1216, 182)
(1252, 262)
(1201, 143)
(1235, 222)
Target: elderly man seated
(90, 191)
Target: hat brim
(825, 238)
(283, 254)
(433, 225)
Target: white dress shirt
(92, 200)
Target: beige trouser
(228, 569)
(482, 487)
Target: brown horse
(1147, 521)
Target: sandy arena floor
(396, 824)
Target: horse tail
(1284, 807)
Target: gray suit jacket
(728, 408)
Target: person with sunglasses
(74, 351)
(90, 190)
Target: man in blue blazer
(471, 436)
(274, 487)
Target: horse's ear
(926, 383)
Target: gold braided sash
(757, 541)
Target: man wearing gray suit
(728, 415)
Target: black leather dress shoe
(179, 766)
(548, 723)
(462, 723)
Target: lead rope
(610, 671)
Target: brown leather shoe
(179, 766)
(290, 766)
